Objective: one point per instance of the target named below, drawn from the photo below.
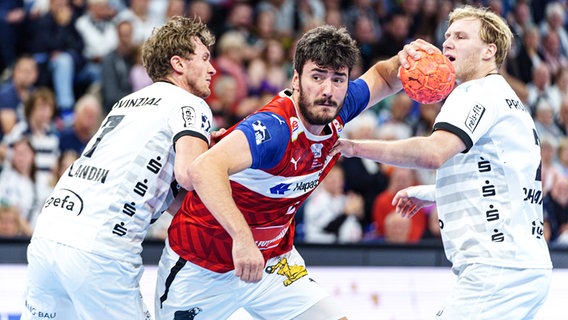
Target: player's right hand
(343, 146)
(411, 50)
(248, 261)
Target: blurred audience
(70, 46)
(363, 176)
(88, 117)
(539, 88)
(554, 20)
(38, 127)
(555, 205)
(58, 48)
(267, 73)
(562, 156)
(13, 31)
(552, 52)
(99, 35)
(332, 215)
(142, 20)
(18, 188)
(528, 56)
(15, 91)
(390, 226)
(12, 225)
(138, 77)
(116, 67)
(549, 167)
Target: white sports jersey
(106, 200)
(489, 197)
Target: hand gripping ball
(429, 79)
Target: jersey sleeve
(356, 101)
(193, 119)
(268, 136)
(466, 115)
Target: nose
(446, 44)
(327, 88)
(211, 70)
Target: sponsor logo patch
(474, 117)
(260, 132)
(65, 199)
(188, 114)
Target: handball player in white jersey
(84, 256)
(488, 188)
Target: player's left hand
(407, 205)
(248, 260)
(411, 50)
(345, 147)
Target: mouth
(326, 103)
(450, 57)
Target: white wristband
(426, 192)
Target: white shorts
(66, 283)
(489, 292)
(286, 290)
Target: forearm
(388, 70)
(214, 190)
(382, 79)
(410, 153)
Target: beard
(309, 113)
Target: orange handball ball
(429, 79)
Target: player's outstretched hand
(248, 260)
(217, 135)
(407, 204)
(411, 50)
(345, 147)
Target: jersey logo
(188, 114)
(67, 200)
(338, 126)
(295, 162)
(537, 229)
(474, 117)
(260, 132)
(280, 188)
(187, 314)
(205, 123)
(292, 273)
(278, 118)
(316, 150)
(295, 125)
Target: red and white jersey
(288, 164)
(106, 199)
(489, 197)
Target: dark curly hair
(327, 46)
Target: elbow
(183, 179)
(185, 182)
(433, 162)
(187, 176)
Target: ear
(296, 81)
(490, 51)
(177, 64)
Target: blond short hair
(176, 37)
(494, 29)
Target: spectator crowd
(63, 64)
